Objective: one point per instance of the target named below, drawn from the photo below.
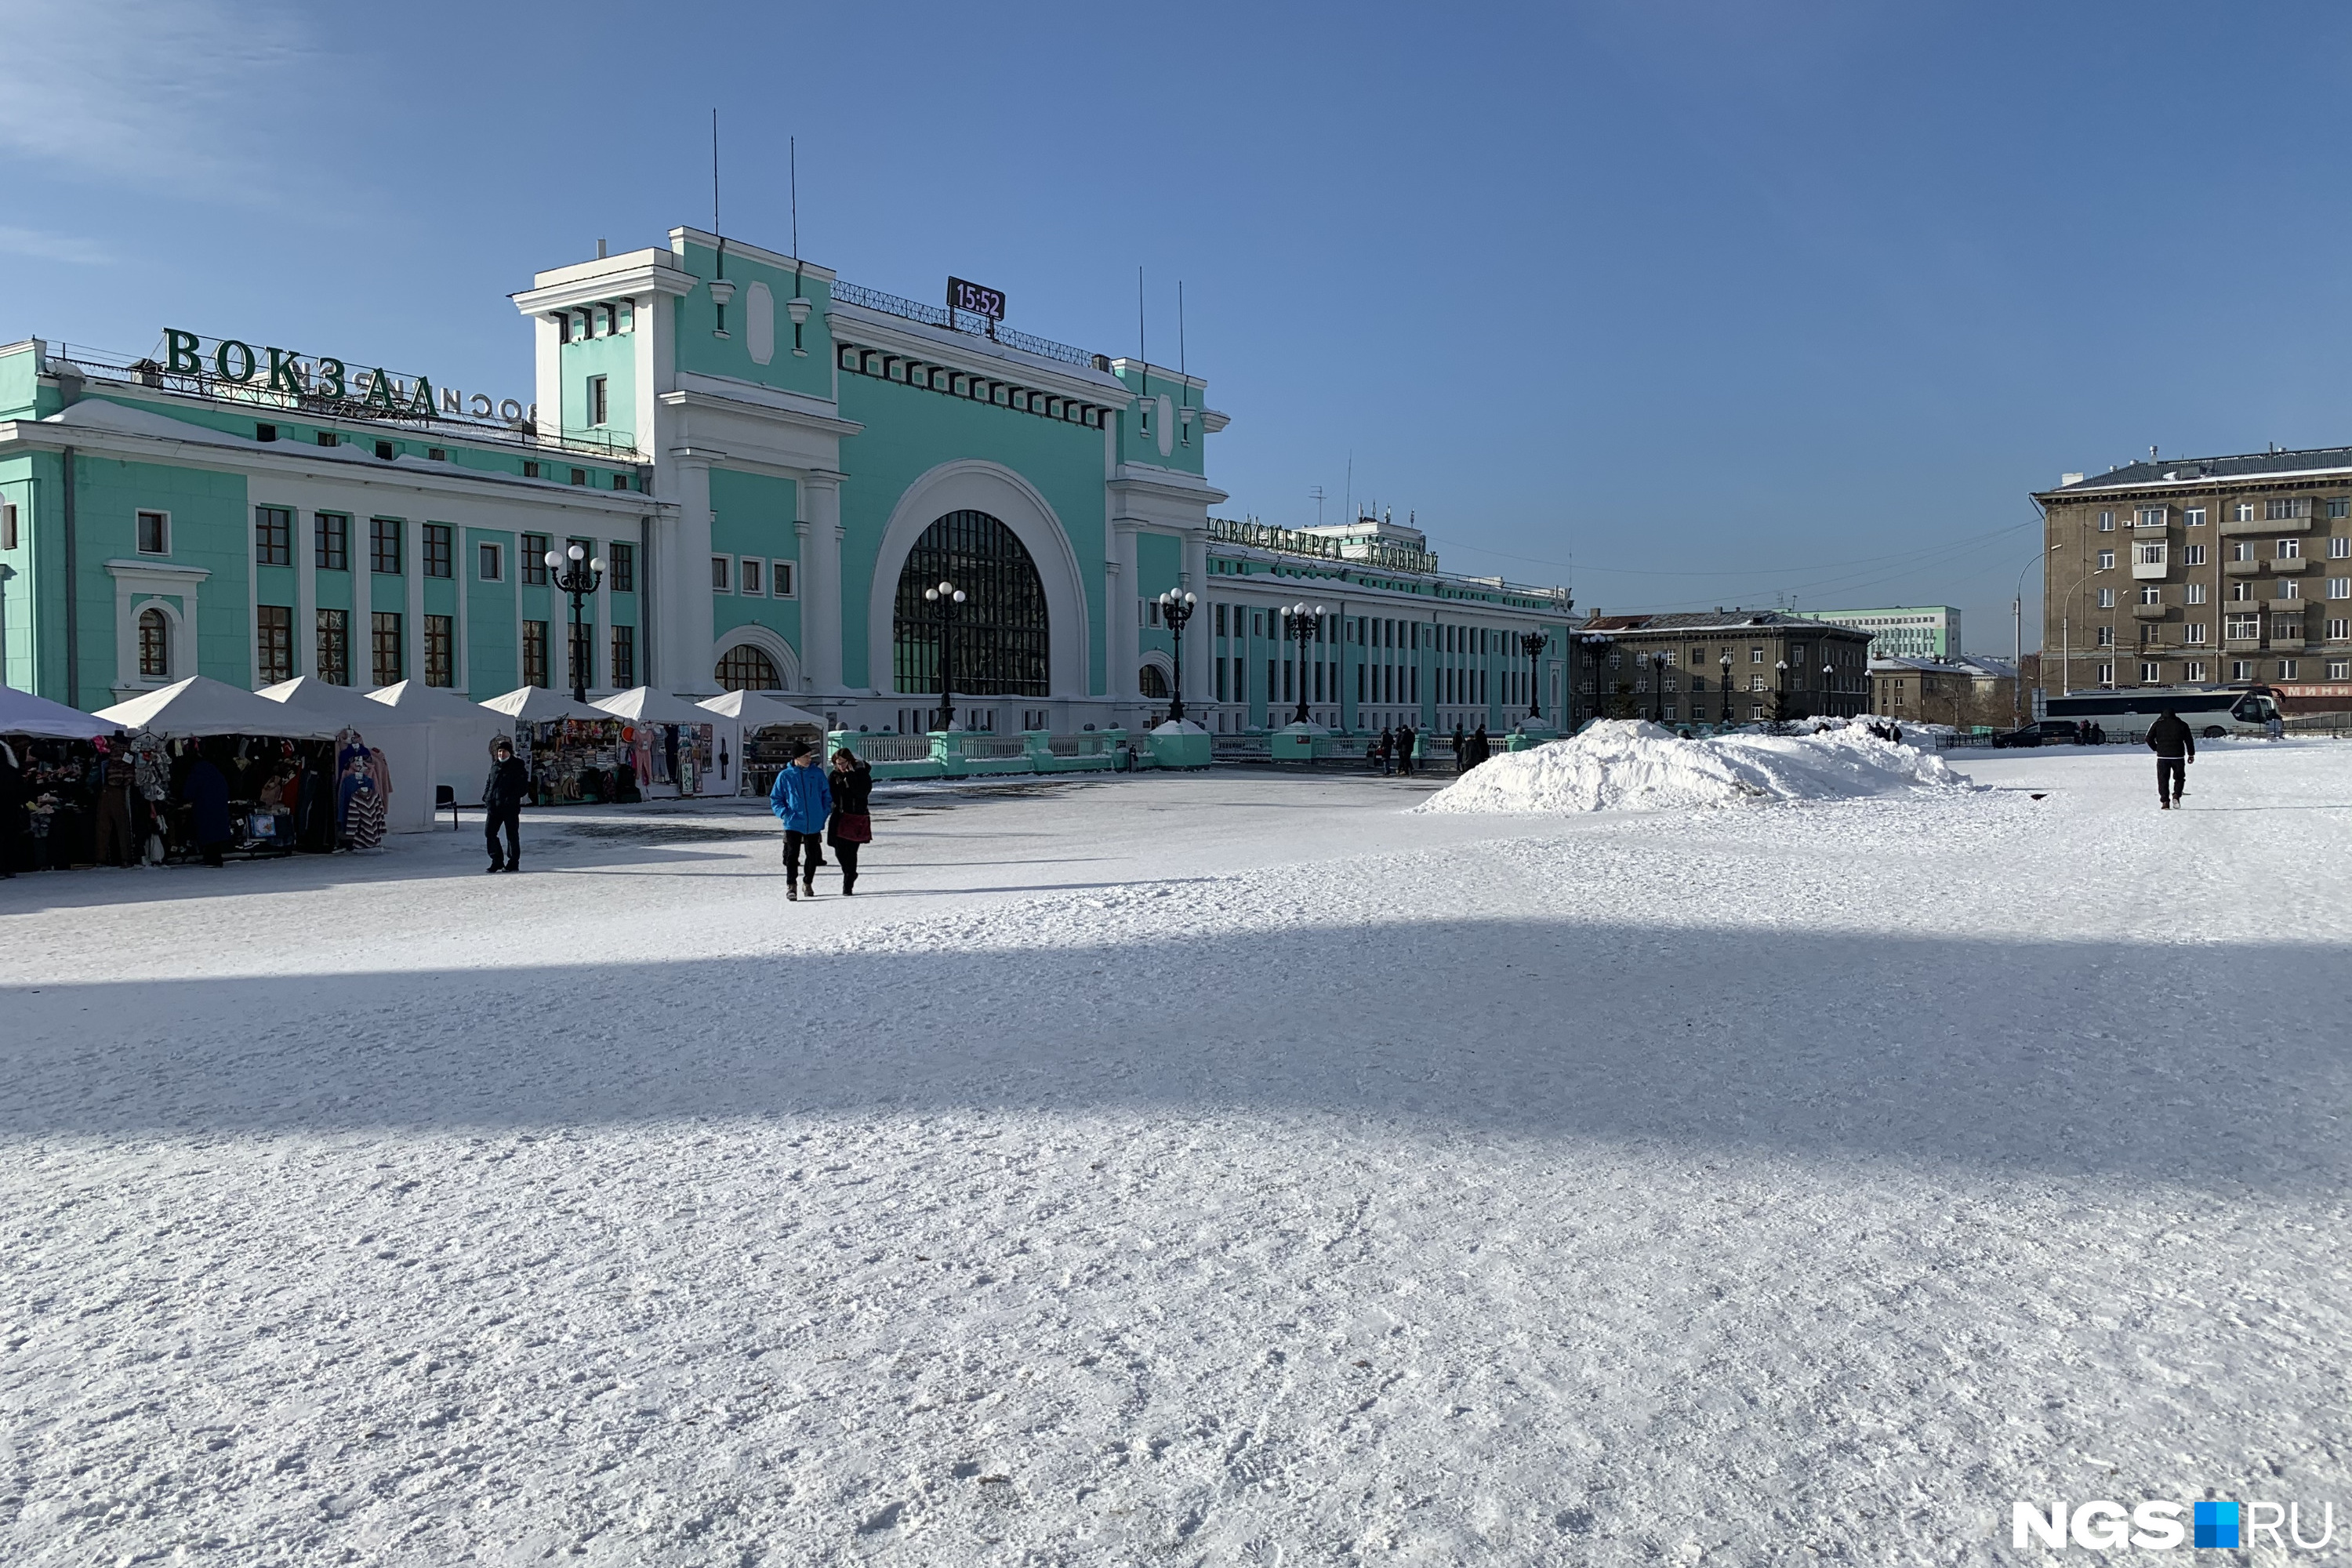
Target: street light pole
(1532, 644)
(578, 574)
(947, 597)
(1594, 642)
(1303, 624)
(1175, 610)
(1829, 685)
(1726, 686)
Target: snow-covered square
(1233, 1168)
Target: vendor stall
(764, 730)
(53, 784)
(672, 743)
(226, 771)
(571, 749)
(406, 745)
(459, 732)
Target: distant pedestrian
(802, 801)
(11, 810)
(1481, 748)
(1894, 733)
(852, 824)
(2275, 727)
(502, 796)
(2099, 733)
(2175, 747)
(1461, 747)
(1388, 751)
(206, 790)
(1405, 742)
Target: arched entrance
(999, 639)
(746, 668)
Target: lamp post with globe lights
(577, 573)
(946, 597)
(1175, 610)
(1726, 687)
(1658, 662)
(1532, 644)
(1592, 643)
(1829, 686)
(1303, 624)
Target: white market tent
(21, 713)
(643, 705)
(461, 732)
(202, 706)
(748, 712)
(537, 705)
(407, 746)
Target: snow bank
(1634, 766)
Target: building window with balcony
(2150, 594)
(2282, 510)
(2290, 588)
(2241, 628)
(2242, 513)
(2243, 549)
(2149, 517)
(2289, 549)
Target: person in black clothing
(1404, 740)
(851, 823)
(502, 797)
(2175, 746)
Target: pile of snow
(1636, 765)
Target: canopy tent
(761, 730)
(202, 706)
(537, 705)
(686, 755)
(21, 713)
(406, 744)
(461, 732)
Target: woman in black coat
(852, 823)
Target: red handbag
(851, 827)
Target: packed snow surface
(1631, 765)
(1227, 1169)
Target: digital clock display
(975, 298)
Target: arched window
(745, 668)
(997, 637)
(155, 646)
(1151, 683)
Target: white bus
(2212, 711)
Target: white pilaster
(687, 624)
(412, 632)
(1125, 647)
(1193, 579)
(821, 616)
(306, 592)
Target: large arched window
(997, 636)
(745, 668)
(155, 646)
(1151, 683)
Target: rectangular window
(7, 525)
(2150, 517)
(2241, 669)
(383, 545)
(2289, 549)
(2287, 668)
(2192, 554)
(2193, 632)
(492, 564)
(2290, 588)
(624, 657)
(2152, 674)
(332, 532)
(1218, 616)
(2339, 507)
(2107, 637)
(534, 653)
(2107, 598)
(2107, 523)
(719, 569)
(534, 562)
(273, 632)
(2339, 631)
(2242, 513)
(2340, 548)
(1221, 675)
(2281, 510)
(2149, 632)
(2194, 672)
(273, 535)
(437, 550)
(578, 476)
(2106, 675)
(335, 647)
(2339, 587)
(531, 468)
(2194, 516)
(596, 405)
(2339, 669)
(779, 580)
(750, 580)
(623, 556)
(2106, 560)
(440, 651)
(2241, 628)
(154, 533)
(383, 641)
(2151, 594)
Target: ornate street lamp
(1175, 610)
(1658, 662)
(947, 597)
(576, 573)
(1780, 691)
(1592, 642)
(1725, 693)
(1829, 685)
(1532, 644)
(1303, 625)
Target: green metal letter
(379, 392)
(221, 359)
(330, 379)
(284, 374)
(180, 352)
(422, 404)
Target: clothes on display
(571, 761)
(362, 792)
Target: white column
(412, 633)
(306, 592)
(686, 623)
(821, 609)
(1124, 646)
(468, 558)
(600, 641)
(1194, 579)
(252, 597)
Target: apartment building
(1719, 667)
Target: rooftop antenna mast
(1315, 494)
(1141, 357)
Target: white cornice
(1161, 373)
(617, 283)
(2190, 481)
(961, 350)
(739, 248)
(724, 393)
(402, 474)
(1166, 482)
(163, 571)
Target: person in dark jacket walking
(802, 801)
(852, 823)
(1405, 740)
(1482, 746)
(2175, 745)
(502, 798)
(205, 789)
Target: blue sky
(1715, 302)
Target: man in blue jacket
(802, 801)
